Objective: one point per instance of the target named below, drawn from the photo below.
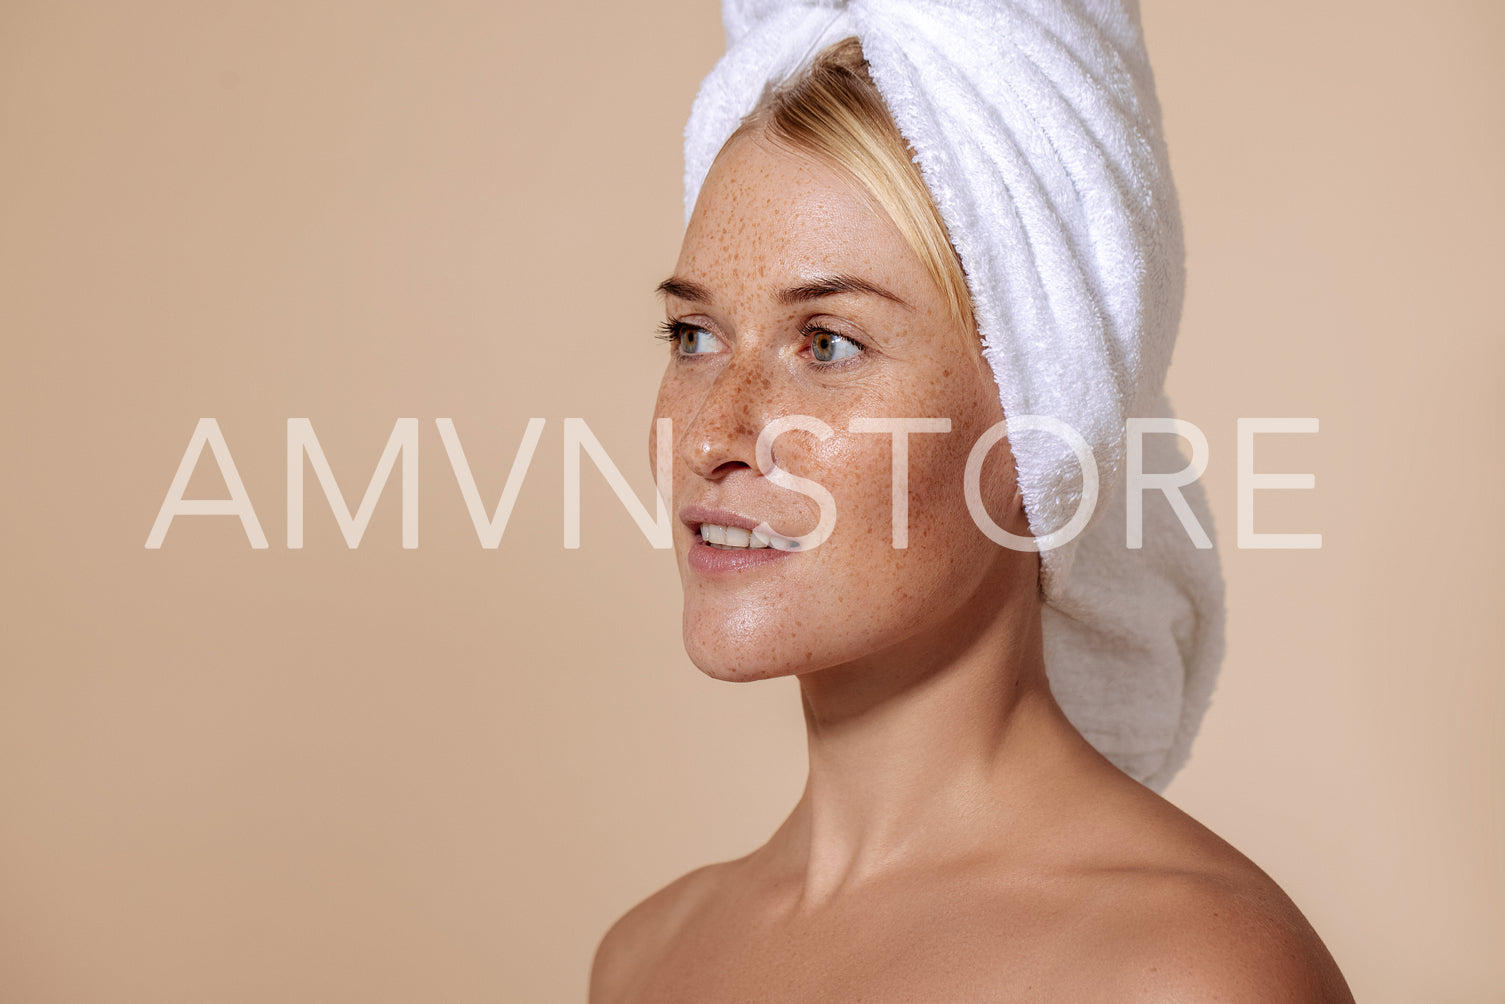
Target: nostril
(723, 470)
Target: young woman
(959, 838)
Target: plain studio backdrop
(437, 774)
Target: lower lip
(715, 560)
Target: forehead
(766, 217)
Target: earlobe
(1018, 516)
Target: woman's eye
(829, 347)
(696, 341)
(689, 340)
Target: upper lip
(693, 516)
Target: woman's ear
(1014, 518)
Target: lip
(708, 560)
(694, 515)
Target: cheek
(859, 471)
(671, 404)
(974, 407)
(941, 528)
(669, 393)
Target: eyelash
(669, 331)
(672, 331)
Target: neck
(924, 754)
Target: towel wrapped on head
(1037, 131)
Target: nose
(722, 434)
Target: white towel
(1037, 130)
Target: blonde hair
(833, 110)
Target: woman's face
(792, 297)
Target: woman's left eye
(829, 347)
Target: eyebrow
(684, 289)
(812, 289)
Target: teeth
(732, 536)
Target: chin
(718, 666)
(722, 658)
(740, 648)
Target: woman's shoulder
(1179, 914)
(1206, 934)
(641, 933)
(1137, 902)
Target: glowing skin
(767, 223)
(957, 839)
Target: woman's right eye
(688, 339)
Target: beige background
(437, 775)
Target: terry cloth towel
(1036, 127)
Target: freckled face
(744, 352)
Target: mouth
(737, 538)
(723, 541)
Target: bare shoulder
(1156, 906)
(1193, 919)
(1213, 935)
(641, 933)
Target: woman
(959, 838)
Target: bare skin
(957, 840)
